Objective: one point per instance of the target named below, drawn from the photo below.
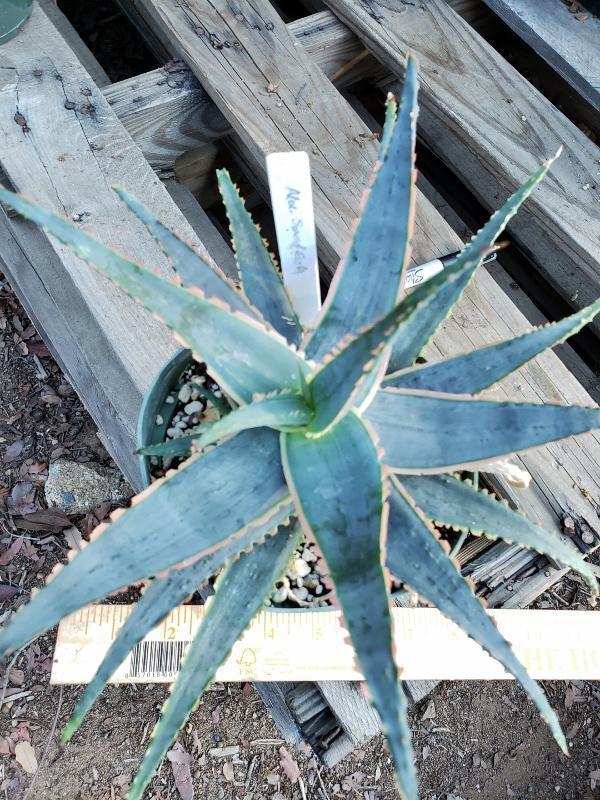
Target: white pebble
(181, 424)
(279, 595)
(218, 393)
(308, 555)
(174, 433)
(319, 589)
(193, 407)
(297, 569)
(159, 419)
(299, 582)
(301, 593)
(185, 393)
(170, 399)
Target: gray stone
(279, 595)
(185, 393)
(193, 407)
(78, 488)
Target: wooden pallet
(184, 117)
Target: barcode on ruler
(156, 659)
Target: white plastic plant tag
(291, 200)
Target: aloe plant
(320, 438)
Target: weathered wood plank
(355, 714)
(237, 78)
(569, 45)
(75, 42)
(294, 105)
(167, 111)
(68, 160)
(488, 122)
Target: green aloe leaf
(473, 372)
(391, 115)
(426, 433)
(187, 514)
(240, 592)
(350, 375)
(160, 597)
(415, 556)
(339, 383)
(279, 411)
(449, 501)
(336, 483)
(244, 358)
(261, 281)
(417, 331)
(174, 447)
(369, 281)
(193, 268)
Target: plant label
(291, 200)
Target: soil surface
(472, 740)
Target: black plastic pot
(168, 381)
(13, 14)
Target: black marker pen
(422, 273)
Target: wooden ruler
(301, 645)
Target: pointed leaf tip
(240, 592)
(415, 556)
(261, 281)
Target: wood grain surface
(494, 128)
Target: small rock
(211, 414)
(298, 569)
(193, 407)
(224, 752)
(311, 581)
(78, 488)
(308, 555)
(185, 393)
(159, 419)
(301, 592)
(279, 595)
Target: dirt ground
(477, 740)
